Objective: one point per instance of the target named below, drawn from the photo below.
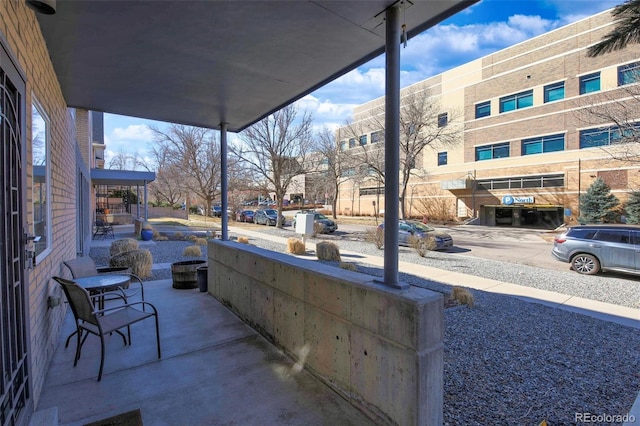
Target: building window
(372, 191)
(519, 182)
(590, 83)
(517, 101)
(629, 73)
(603, 136)
(443, 119)
(483, 109)
(349, 171)
(554, 92)
(40, 158)
(376, 137)
(489, 152)
(442, 158)
(363, 140)
(352, 143)
(542, 144)
(344, 145)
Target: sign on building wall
(508, 200)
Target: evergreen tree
(598, 204)
(632, 208)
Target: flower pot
(146, 234)
(185, 274)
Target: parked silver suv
(594, 248)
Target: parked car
(409, 228)
(267, 217)
(594, 248)
(216, 211)
(245, 216)
(327, 225)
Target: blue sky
(486, 27)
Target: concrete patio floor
(214, 370)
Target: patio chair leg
(78, 346)
(158, 337)
(101, 357)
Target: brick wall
(20, 34)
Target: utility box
(304, 223)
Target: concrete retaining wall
(382, 349)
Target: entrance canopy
(203, 63)
(121, 177)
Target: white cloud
(134, 132)
(131, 139)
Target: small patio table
(99, 284)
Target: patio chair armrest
(126, 305)
(112, 269)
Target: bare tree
(422, 123)
(168, 185)
(331, 169)
(626, 30)
(123, 160)
(276, 149)
(196, 152)
(614, 115)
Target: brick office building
(530, 142)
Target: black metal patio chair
(101, 322)
(103, 229)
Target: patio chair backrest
(81, 267)
(79, 300)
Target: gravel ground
(509, 362)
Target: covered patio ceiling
(203, 63)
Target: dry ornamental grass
(348, 266)
(462, 296)
(295, 246)
(200, 241)
(139, 261)
(122, 246)
(194, 251)
(327, 251)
